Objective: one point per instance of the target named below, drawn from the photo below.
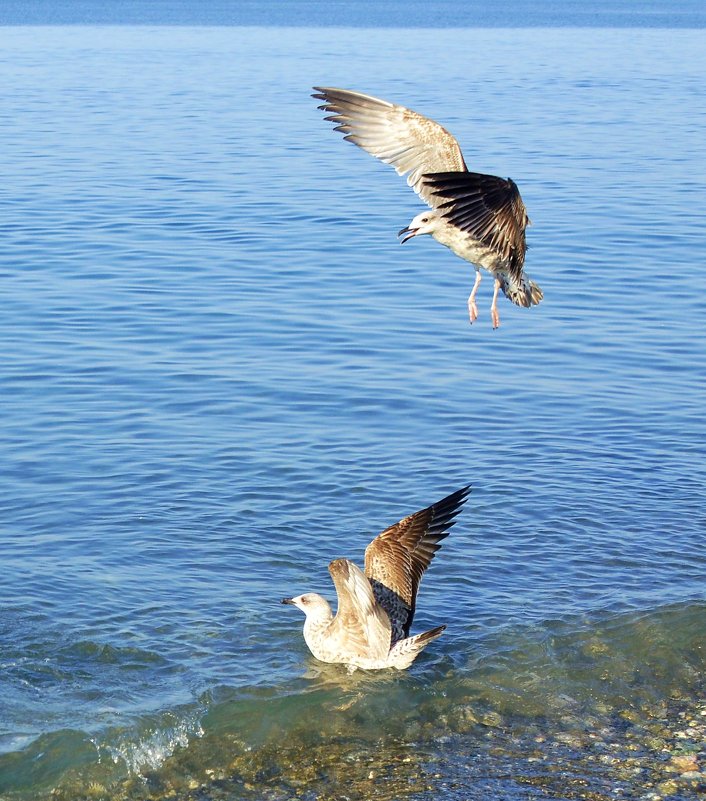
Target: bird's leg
(472, 308)
(494, 305)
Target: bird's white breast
(467, 248)
(317, 641)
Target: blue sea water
(220, 370)
(361, 14)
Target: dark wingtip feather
(432, 634)
(452, 503)
(445, 511)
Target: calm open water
(220, 370)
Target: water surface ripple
(220, 371)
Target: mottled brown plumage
(360, 620)
(394, 134)
(487, 208)
(481, 218)
(396, 559)
(375, 609)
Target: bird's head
(313, 605)
(426, 222)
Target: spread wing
(488, 208)
(394, 134)
(395, 560)
(361, 626)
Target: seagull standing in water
(481, 218)
(370, 629)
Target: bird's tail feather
(405, 651)
(523, 292)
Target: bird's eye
(425, 219)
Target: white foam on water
(151, 750)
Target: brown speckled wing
(486, 207)
(361, 626)
(394, 134)
(396, 559)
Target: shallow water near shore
(220, 371)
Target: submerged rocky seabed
(649, 752)
(600, 708)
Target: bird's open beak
(410, 233)
(287, 601)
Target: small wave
(67, 763)
(588, 693)
(155, 742)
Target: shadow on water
(571, 709)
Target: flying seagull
(481, 218)
(375, 608)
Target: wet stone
(684, 763)
(492, 720)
